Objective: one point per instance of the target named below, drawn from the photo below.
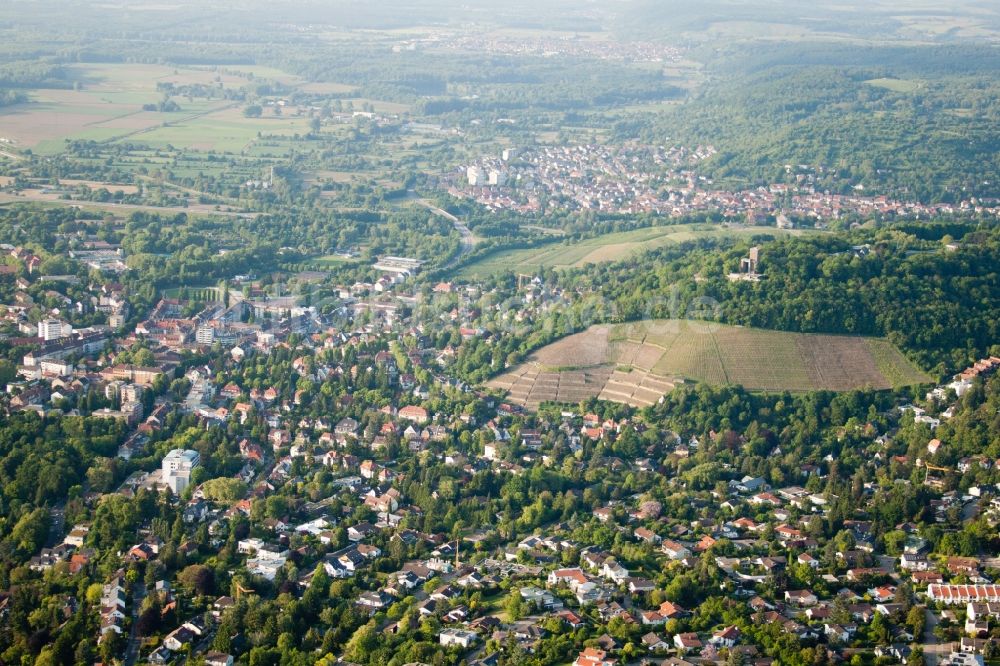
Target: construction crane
(240, 590)
(935, 476)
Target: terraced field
(638, 363)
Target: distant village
(544, 46)
(634, 179)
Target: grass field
(327, 88)
(224, 130)
(106, 105)
(205, 294)
(923, 25)
(639, 362)
(895, 85)
(333, 260)
(609, 247)
(760, 30)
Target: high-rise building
(132, 411)
(53, 329)
(205, 335)
(131, 392)
(475, 176)
(177, 467)
(497, 177)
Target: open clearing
(923, 25)
(895, 85)
(639, 362)
(334, 260)
(52, 199)
(608, 247)
(223, 130)
(107, 106)
(327, 88)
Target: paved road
(132, 648)
(934, 650)
(888, 565)
(201, 647)
(57, 528)
(468, 240)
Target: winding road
(468, 240)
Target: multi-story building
(205, 335)
(131, 392)
(177, 467)
(474, 175)
(54, 329)
(131, 373)
(132, 411)
(86, 342)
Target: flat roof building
(177, 467)
(403, 265)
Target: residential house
(687, 641)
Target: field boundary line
(185, 119)
(718, 355)
(108, 120)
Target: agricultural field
(926, 25)
(46, 199)
(103, 102)
(639, 362)
(608, 247)
(763, 30)
(96, 185)
(221, 130)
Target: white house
(460, 637)
(727, 637)
(800, 597)
(177, 467)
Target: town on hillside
(260, 454)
